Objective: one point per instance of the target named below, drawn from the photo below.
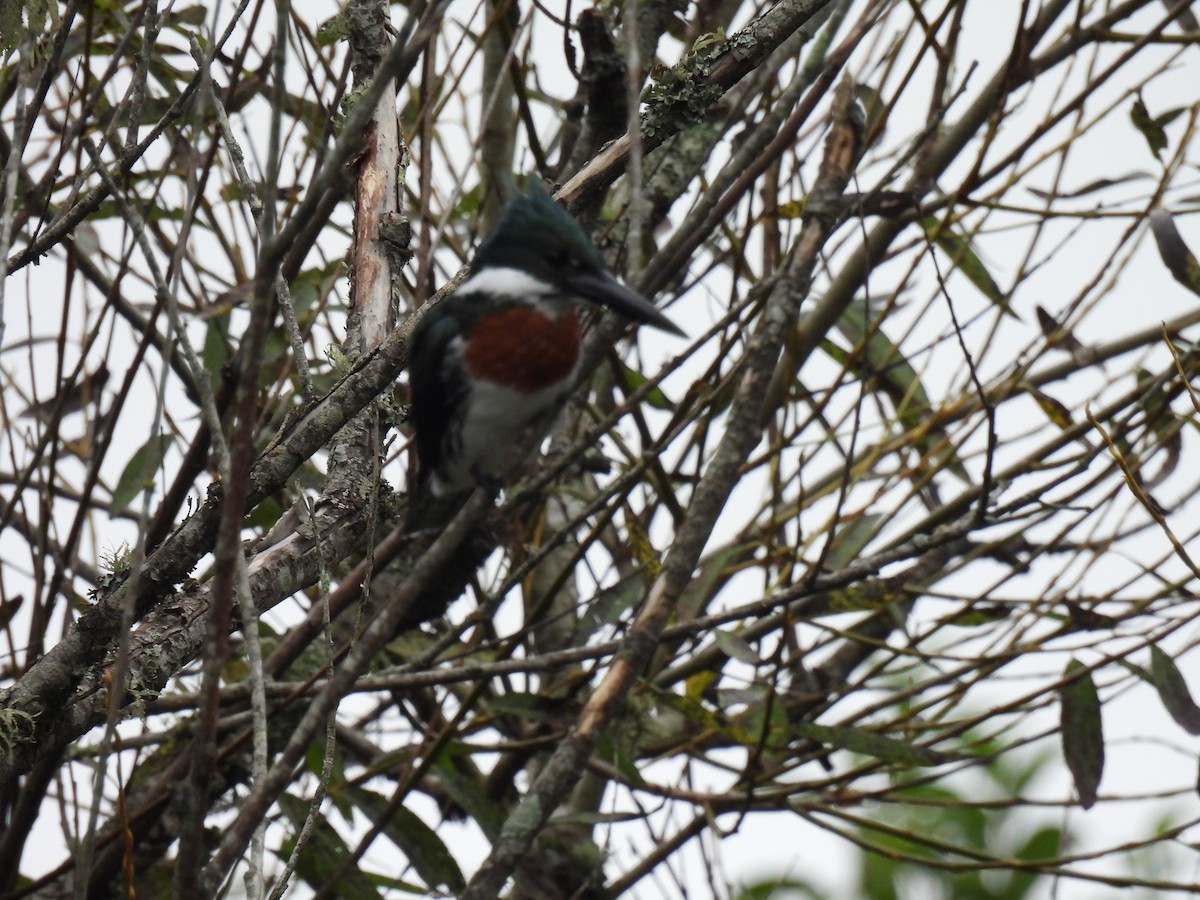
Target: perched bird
(497, 358)
(72, 396)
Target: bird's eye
(559, 259)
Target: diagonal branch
(743, 433)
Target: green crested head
(539, 237)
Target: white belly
(497, 419)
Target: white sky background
(1146, 751)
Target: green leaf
(323, 855)
(643, 550)
(1173, 691)
(313, 286)
(715, 570)
(189, 15)
(140, 470)
(735, 646)
(869, 595)
(265, 514)
(875, 108)
(792, 209)
(597, 818)
(1179, 260)
(1150, 127)
(314, 760)
(465, 787)
(534, 707)
(885, 362)
(610, 604)
(110, 209)
(965, 259)
(976, 614)
(868, 743)
(1082, 733)
(1165, 119)
(1091, 187)
(10, 25)
(469, 202)
(608, 750)
(654, 397)
(1155, 401)
(1043, 844)
(882, 362)
(850, 538)
(775, 888)
(766, 720)
(420, 843)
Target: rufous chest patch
(523, 348)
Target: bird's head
(539, 237)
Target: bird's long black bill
(604, 289)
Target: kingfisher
(495, 361)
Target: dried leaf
(643, 549)
(1055, 410)
(1058, 335)
(9, 607)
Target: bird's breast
(523, 348)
